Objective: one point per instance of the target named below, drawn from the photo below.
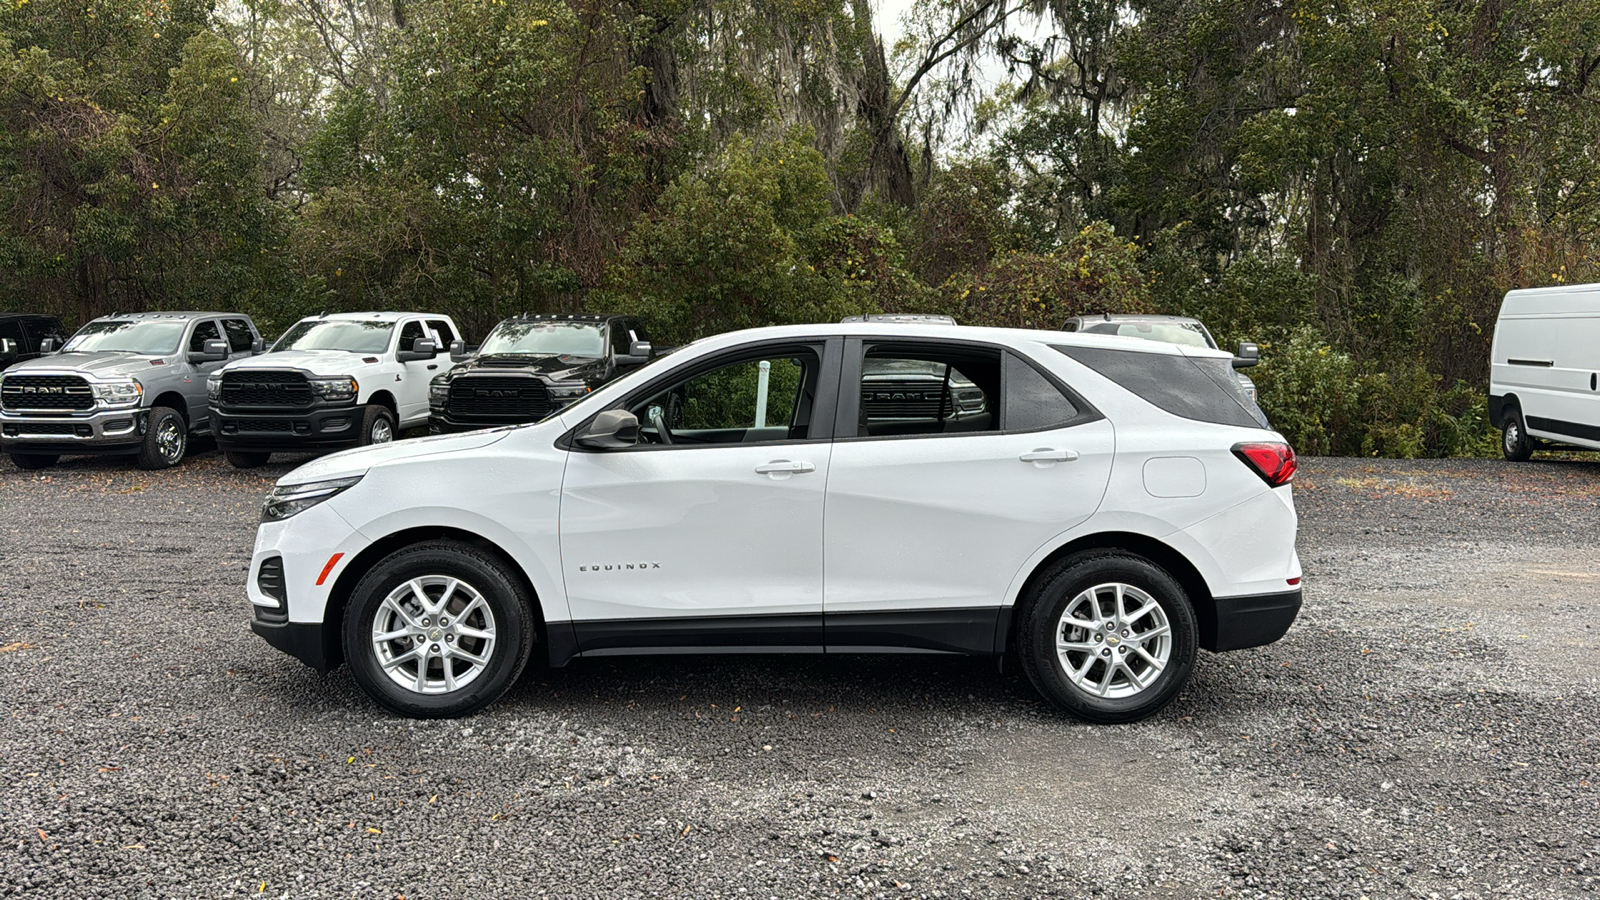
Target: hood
(317, 362)
(555, 368)
(357, 461)
(104, 365)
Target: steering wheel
(660, 422)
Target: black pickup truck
(531, 366)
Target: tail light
(1272, 460)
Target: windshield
(546, 339)
(336, 334)
(147, 337)
(1189, 334)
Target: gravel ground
(1429, 728)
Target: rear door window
(240, 337)
(444, 333)
(1032, 402)
(1200, 388)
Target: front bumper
(314, 428)
(305, 641)
(96, 431)
(441, 422)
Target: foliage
(750, 242)
(1095, 272)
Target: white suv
(1114, 507)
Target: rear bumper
(1252, 621)
(304, 641)
(103, 431)
(317, 428)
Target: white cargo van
(1544, 371)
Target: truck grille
(903, 399)
(498, 398)
(265, 388)
(46, 392)
(281, 426)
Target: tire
(452, 683)
(1089, 586)
(166, 439)
(1514, 440)
(377, 425)
(247, 459)
(34, 460)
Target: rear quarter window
(1202, 389)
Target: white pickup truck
(331, 381)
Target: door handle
(432, 367)
(1045, 454)
(785, 467)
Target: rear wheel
(438, 630)
(166, 439)
(1514, 440)
(33, 460)
(1108, 636)
(377, 425)
(247, 459)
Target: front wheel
(438, 630)
(1109, 637)
(33, 460)
(1514, 440)
(377, 425)
(247, 459)
(166, 439)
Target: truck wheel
(438, 630)
(247, 459)
(1108, 636)
(33, 460)
(377, 426)
(1514, 440)
(166, 439)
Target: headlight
(438, 393)
(293, 499)
(214, 387)
(342, 388)
(567, 391)
(119, 393)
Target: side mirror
(49, 345)
(421, 348)
(8, 350)
(1249, 354)
(639, 353)
(257, 346)
(213, 351)
(611, 430)
(458, 351)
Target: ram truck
(331, 381)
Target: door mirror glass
(421, 348)
(1249, 354)
(211, 351)
(639, 353)
(613, 429)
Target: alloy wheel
(1113, 640)
(434, 634)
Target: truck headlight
(119, 393)
(341, 388)
(438, 393)
(214, 387)
(287, 500)
(567, 391)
